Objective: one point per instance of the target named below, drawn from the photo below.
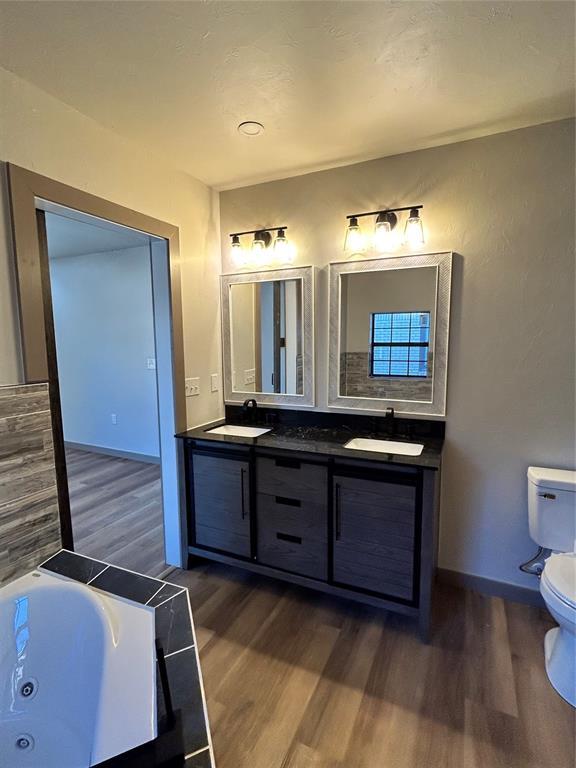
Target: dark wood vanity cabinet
(375, 535)
(359, 529)
(221, 493)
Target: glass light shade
(259, 255)
(355, 241)
(384, 237)
(237, 252)
(283, 252)
(414, 232)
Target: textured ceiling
(333, 82)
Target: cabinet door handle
(338, 514)
(242, 493)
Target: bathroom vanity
(296, 504)
(316, 497)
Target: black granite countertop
(325, 441)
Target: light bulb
(414, 232)
(259, 249)
(385, 238)
(282, 250)
(355, 241)
(236, 252)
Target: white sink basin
(385, 446)
(230, 429)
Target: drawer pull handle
(338, 516)
(288, 463)
(288, 502)
(287, 537)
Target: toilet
(552, 517)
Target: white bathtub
(77, 674)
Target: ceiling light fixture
(250, 128)
(384, 238)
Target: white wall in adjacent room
(103, 318)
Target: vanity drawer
(301, 554)
(293, 516)
(292, 478)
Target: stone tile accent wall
(29, 518)
(355, 381)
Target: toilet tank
(552, 508)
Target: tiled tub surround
(356, 381)
(29, 519)
(175, 634)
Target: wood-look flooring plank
(299, 680)
(116, 507)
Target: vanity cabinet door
(222, 503)
(374, 535)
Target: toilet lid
(560, 575)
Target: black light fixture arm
(255, 231)
(384, 210)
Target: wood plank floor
(296, 679)
(116, 507)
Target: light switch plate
(192, 387)
(151, 363)
(214, 382)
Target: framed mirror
(268, 336)
(389, 323)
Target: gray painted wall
(505, 205)
(103, 318)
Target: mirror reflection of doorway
(266, 333)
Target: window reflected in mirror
(266, 337)
(387, 334)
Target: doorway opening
(102, 287)
(32, 199)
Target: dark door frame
(26, 188)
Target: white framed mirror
(389, 327)
(268, 336)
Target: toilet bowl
(558, 588)
(552, 520)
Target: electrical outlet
(151, 363)
(250, 376)
(214, 382)
(114, 418)
(192, 387)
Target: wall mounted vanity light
(263, 251)
(384, 238)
